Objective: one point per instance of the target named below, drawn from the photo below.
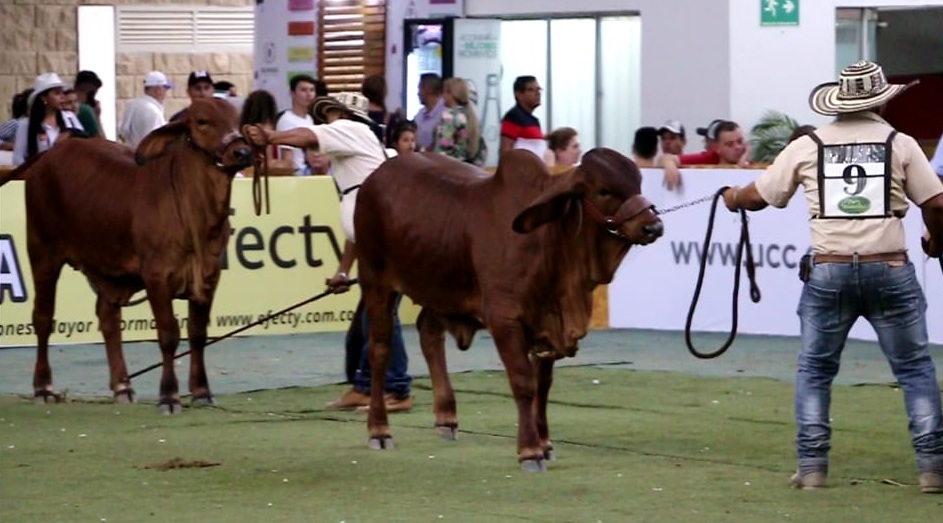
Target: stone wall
(38, 36)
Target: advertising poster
(285, 44)
(477, 58)
(272, 261)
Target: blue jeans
(891, 300)
(398, 380)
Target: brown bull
(157, 220)
(518, 253)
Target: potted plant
(770, 135)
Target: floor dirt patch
(180, 463)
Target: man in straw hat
(858, 172)
(355, 152)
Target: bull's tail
(20, 172)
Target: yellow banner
(272, 261)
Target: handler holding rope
(857, 173)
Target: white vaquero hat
(43, 83)
(353, 103)
(861, 86)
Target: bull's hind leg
(45, 279)
(379, 306)
(109, 322)
(168, 337)
(509, 339)
(198, 320)
(544, 369)
(432, 341)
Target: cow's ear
(155, 143)
(551, 205)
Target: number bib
(855, 180)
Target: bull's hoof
(381, 443)
(169, 407)
(203, 400)
(124, 396)
(534, 465)
(550, 455)
(447, 431)
(43, 396)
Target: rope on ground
(256, 323)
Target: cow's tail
(19, 173)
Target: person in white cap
(858, 173)
(145, 113)
(355, 150)
(46, 122)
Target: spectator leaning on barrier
(563, 148)
(857, 173)
(145, 113)
(18, 108)
(302, 97)
(645, 146)
(260, 108)
(87, 84)
(199, 85)
(520, 129)
(355, 152)
(673, 137)
(428, 116)
(46, 123)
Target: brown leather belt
(861, 258)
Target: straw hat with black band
(861, 86)
(351, 104)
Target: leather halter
(629, 209)
(217, 155)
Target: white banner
(654, 285)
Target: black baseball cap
(197, 77)
(710, 132)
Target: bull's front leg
(544, 369)
(512, 348)
(168, 337)
(198, 318)
(432, 341)
(379, 310)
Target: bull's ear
(551, 205)
(154, 144)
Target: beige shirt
(911, 178)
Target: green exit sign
(779, 12)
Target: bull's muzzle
(654, 230)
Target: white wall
(684, 51)
(777, 67)
(705, 59)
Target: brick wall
(38, 36)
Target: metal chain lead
(685, 204)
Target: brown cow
(157, 219)
(518, 253)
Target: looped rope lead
(743, 244)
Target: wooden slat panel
(351, 42)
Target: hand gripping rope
(256, 323)
(743, 245)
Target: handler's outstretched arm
(736, 198)
(298, 137)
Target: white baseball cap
(157, 79)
